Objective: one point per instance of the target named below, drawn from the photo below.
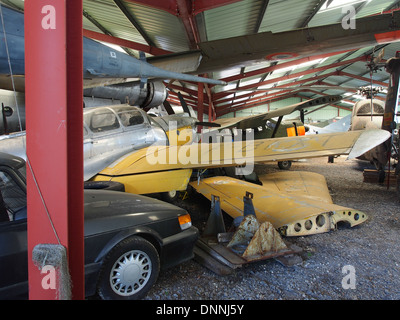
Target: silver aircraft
(128, 78)
(109, 132)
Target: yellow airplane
(123, 144)
(167, 169)
(157, 169)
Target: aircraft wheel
(284, 165)
(170, 196)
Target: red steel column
(54, 102)
(200, 104)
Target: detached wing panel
(293, 214)
(307, 184)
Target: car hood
(108, 210)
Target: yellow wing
(204, 155)
(294, 212)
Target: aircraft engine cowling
(151, 95)
(365, 118)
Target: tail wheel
(129, 270)
(285, 165)
(170, 196)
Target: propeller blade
(186, 108)
(302, 115)
(168, 107)
(183, 103)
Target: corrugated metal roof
(166, 30)
(108, 15)
(232, 20)
(286, 15)
(362, 8)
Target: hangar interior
(269, 54)
(172, 27)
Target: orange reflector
(291, 132)
(301, 130)
(185, 221)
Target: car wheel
(129, 270)
(284, 165)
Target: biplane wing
(260, 119)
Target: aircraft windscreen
(101, 120)
(130, 117)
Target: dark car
(122, 231)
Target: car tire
(284, 165)
(104, 185)
(129, 270)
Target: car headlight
(185, 221)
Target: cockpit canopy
(113, 117)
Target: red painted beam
(254, 102)
(190, 100)
(166, 5)
(211, 108)
(171, 6)
(200, 104)
(295, 83)
(185, 13)
(180, 88)
(261, 101)
(293, 75)
(204, 5)
(186, 10)
(327, 105)
(280, 66)
(367, 80)
(54, 91)
(251, 103)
